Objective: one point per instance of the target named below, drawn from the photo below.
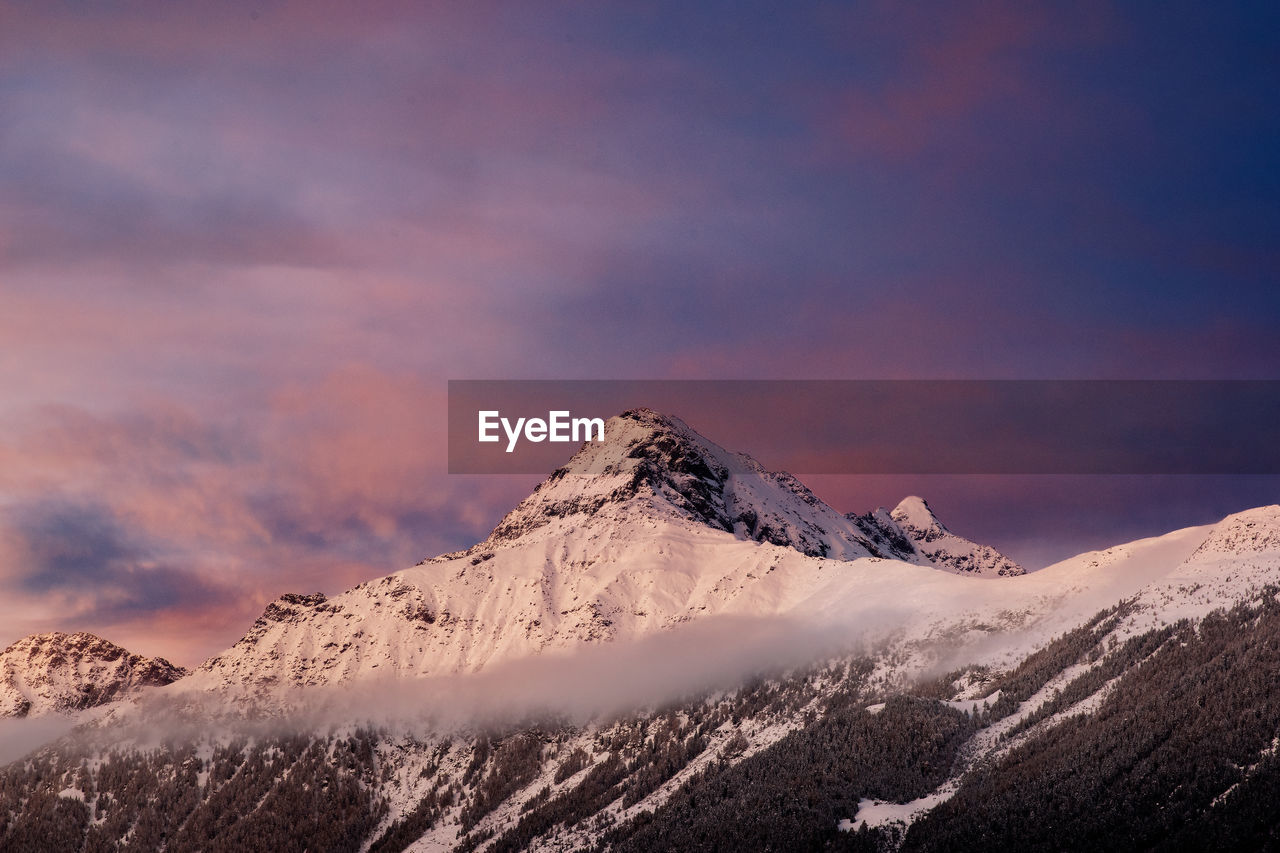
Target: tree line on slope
(1180, 755)
(288, 793)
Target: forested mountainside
(1105, 738)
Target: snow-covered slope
(463, 613)
(1239, 557)
(438, 784)
(57, 672)
(649, 529)
(657, 527)
(945, 549)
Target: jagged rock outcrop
(946, 550)
(57, 672)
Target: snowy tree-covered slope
(1089, 719)
(57, 672)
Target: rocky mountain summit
(56, 672)
(656, 466)
(946, 550)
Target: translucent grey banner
(891, 426)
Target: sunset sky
(243, 246)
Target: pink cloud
(330, 484)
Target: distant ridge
(57, 672)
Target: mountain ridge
(57, 672)
(650, 529)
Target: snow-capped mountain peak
(650, 529)
(652, 465)
(59, 672)
(945, 549)
(914, 513)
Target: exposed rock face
(1254, 531)
(657, 465)
(887, 537)
(56, 672)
